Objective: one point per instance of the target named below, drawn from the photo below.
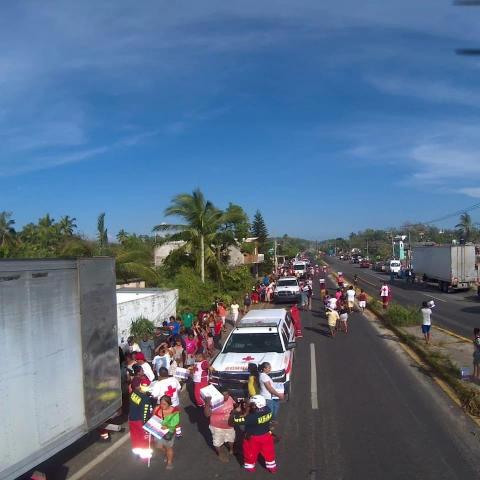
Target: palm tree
(7, 232)
(67, 225)
(122, 236)
(202, 220)
(102, 234)
(466, 228)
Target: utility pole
(367, 249)
(275, 255)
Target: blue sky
(328, 117)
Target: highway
(456, 311)
(360, 410)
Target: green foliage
(102, 234)
(141, 327)
(259, 228)
(403, 316)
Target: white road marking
(436, 298)
(102, 456)
(313, 377)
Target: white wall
(155, 304)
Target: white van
(300, 268)
(261, 336)
(394, 266)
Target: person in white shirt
(163, 359)
(170, 387)
(426, 320)
(385, 295)
(271, 395)
(332, 303)
(147, 369)
(350, 298)
(234, 308)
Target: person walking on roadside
(332, 318)
(350, 298)
(297, 320)
(267, 391)
(309, 291)
(256, 417)
(234, 309)
(476, 354)
(323, 287)
(340, 280)
(385, 295)
(343, 317)
(362, 300)
(247, 301)
(426, 321)
(222, 432)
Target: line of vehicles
(265, 335)
(451, 267)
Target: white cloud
(428, 90)
(471, 191)
(443, 155)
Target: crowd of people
(156, 368)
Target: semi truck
(451, 266)
(60, 375)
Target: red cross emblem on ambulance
(248, 359)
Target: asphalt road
(378, 417)
(456, 311)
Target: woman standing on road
(267, 391)
(170, 419)
(385, 295)
(476, 353)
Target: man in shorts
(222, 432)
(350, 298)
(426, 321)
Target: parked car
(379, 266)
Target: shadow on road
(320, 331)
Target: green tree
(67, 225)
(122, 236)
(7, 231)
(466, 228)
(102, 234)
(202, 221)
(259, 228)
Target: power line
(455, 214)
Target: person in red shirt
(222, 432)
(222, 313)
(297, 321)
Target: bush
(141, 327)
(403, 316)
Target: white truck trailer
(451, 266)
(60, 374)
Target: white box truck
(452, 266)
(60, 374)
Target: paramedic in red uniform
(258, 437)
(141, 405)
(297, 320)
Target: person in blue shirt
(174, 326)
(266, 280)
